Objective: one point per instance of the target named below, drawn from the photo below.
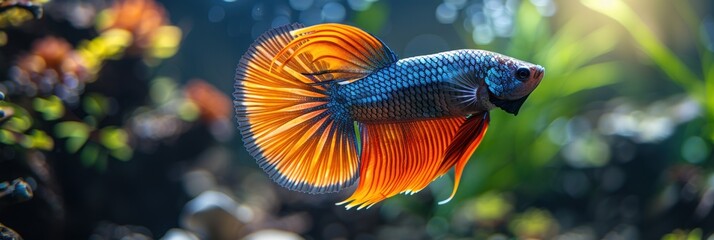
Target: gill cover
(510, 106)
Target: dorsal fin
(342, 52)
(405, 157)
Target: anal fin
(467, 139)
(405, 157)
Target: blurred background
(117, 122)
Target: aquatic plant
(697, 81)
(16, 12)
(62, 105)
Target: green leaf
(76, 133)
(529, 32)
(113, 137)
(18, 119)
(568, 52)
(7, 137)
(589, 77)
(96, 105)
(162, 90)
(41, 140)
(124, 153)
(188, 111)
(51, 108)
(89, 155)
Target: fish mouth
(510, 106)
(539, 71)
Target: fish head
(511, 81)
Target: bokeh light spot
(694, 149)
(216, 14)
(301, 5)
(359, 5)
(333, 12)
(446, 13)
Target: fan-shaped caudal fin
(285, 121)
(345, 53)
(406, 157)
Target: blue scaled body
(423, 87)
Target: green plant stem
(672, 66)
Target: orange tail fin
(284, 113)
(285, 123)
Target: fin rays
(406, 157)
(284, 120)
(346, 52)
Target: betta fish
(323, 107)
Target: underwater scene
(356, 119)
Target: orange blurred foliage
(142, 18)
(51, 62)
(213, 104)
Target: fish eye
(522, 73)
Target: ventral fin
(342, 53)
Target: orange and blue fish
(324, 107)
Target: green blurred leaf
(51, 108)
(7, 137)
(76, 133)
(543, 150)
(17, 118)
(165, 42)
(162, 90)
(71, 129)
(534, 223)
(125, 153)
(96, 105)
(491, 206)
(188, 111)
(530, 32)
(568, 52)
(89, 154)
(41, 140)
(678, 234)
(113, 138)
(589, 77)
(37, 140)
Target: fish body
(410, 89)
(433, 86)
(320, 107)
